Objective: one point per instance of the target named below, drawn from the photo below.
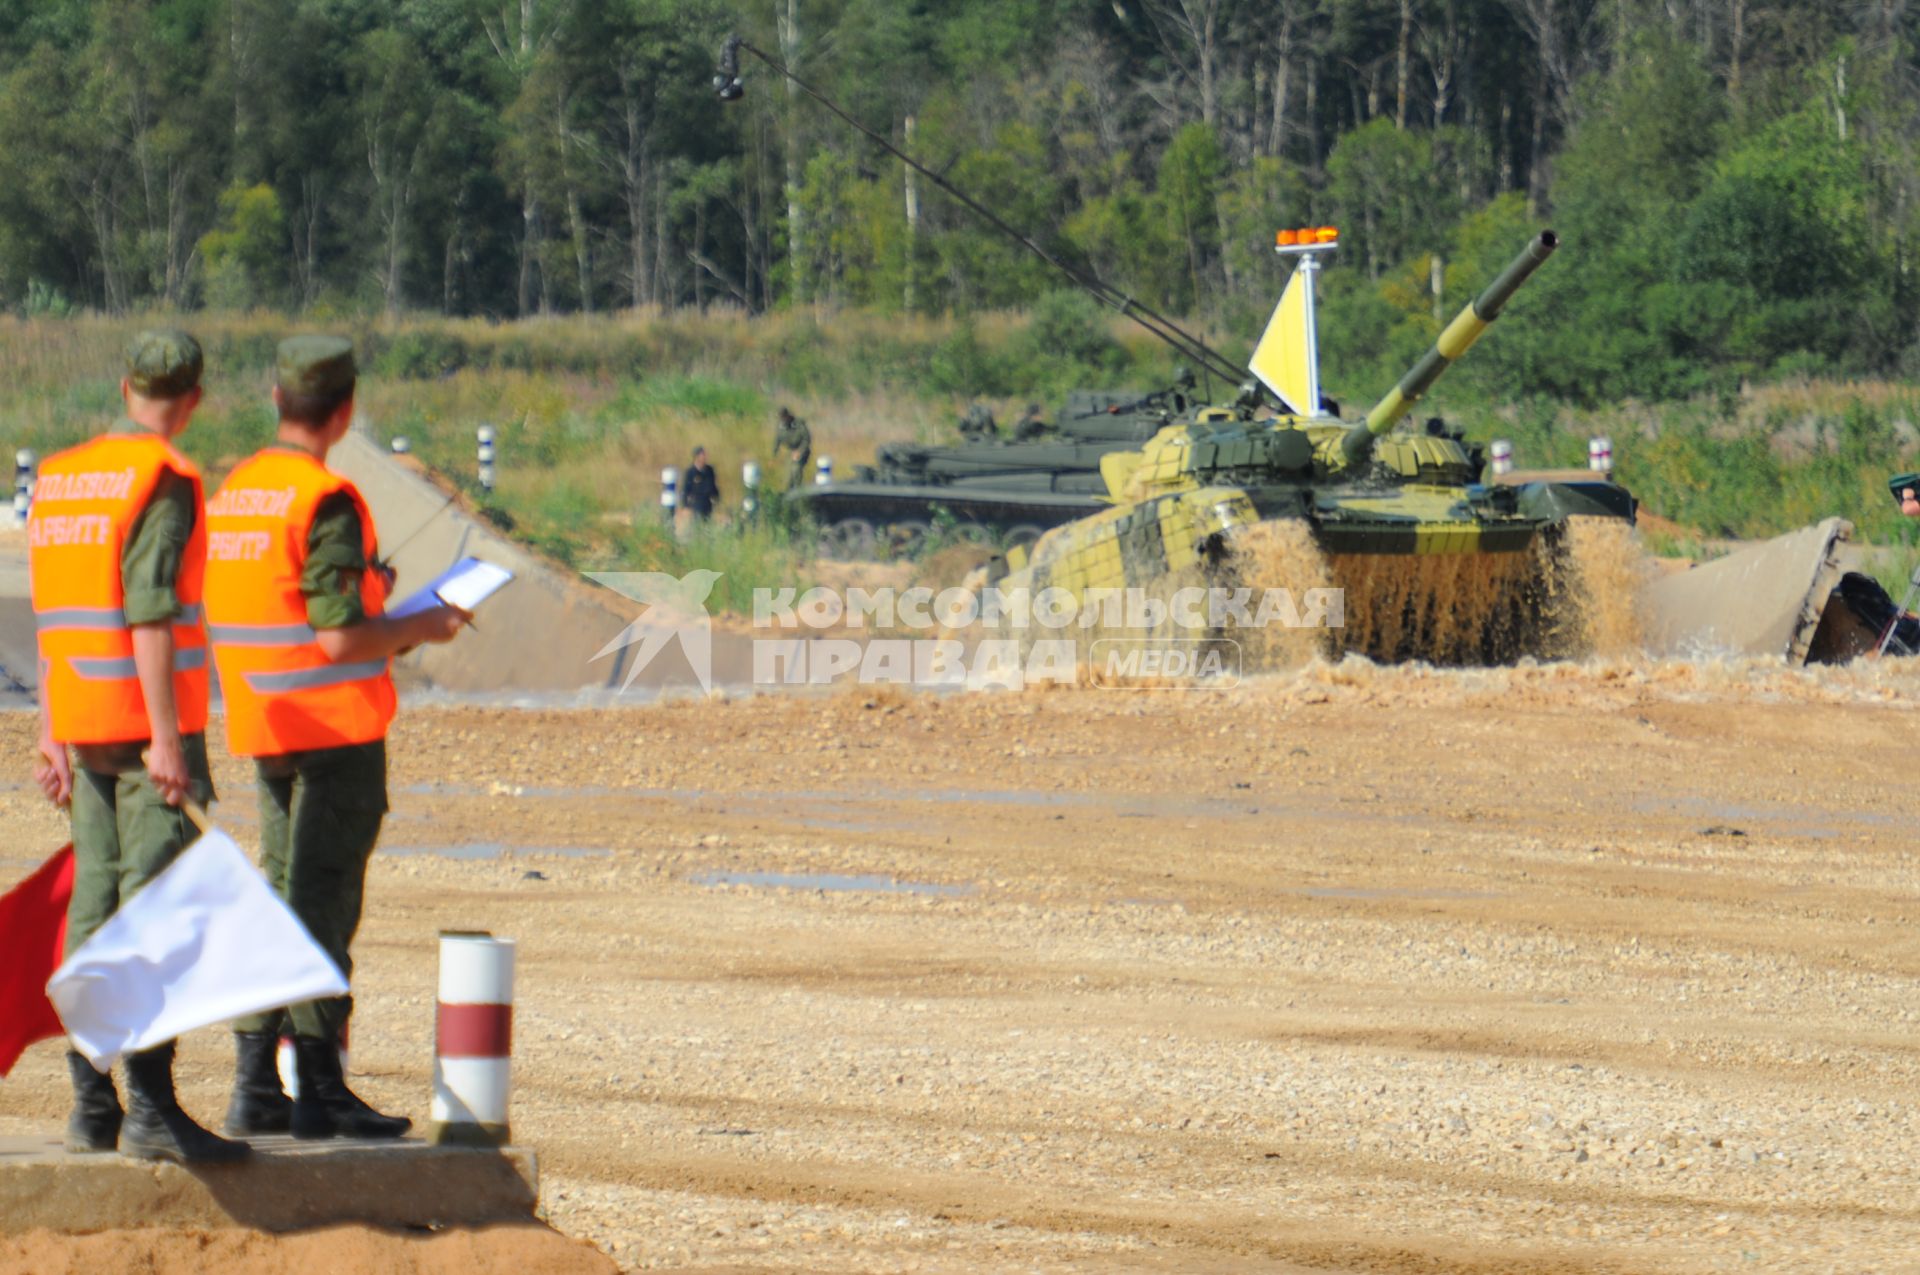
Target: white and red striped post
(473, 1040)
(1600, 454)
(1502, 454)
(25, 465)
(485, 436)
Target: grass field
(588, 410)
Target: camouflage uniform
(792, 434)
(320, 816)
(978, 426)
(124, 832)
(1031, 426)
(321, 810)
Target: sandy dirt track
(345, 1250)
(1540, 969)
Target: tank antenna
(727, 84)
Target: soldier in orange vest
(295, 606)
(118, 556)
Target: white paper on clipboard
(466, 584)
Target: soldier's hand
(54, 774)
(1908, 504)
(167, 768)
(443, 623)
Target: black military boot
(95, 1122)
(259, 1104)
(326, 1108)
(156, 1128)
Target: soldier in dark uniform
(792, 435)
(1032, 426)
(702, 486)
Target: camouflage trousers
(124, 833)
(320, 815)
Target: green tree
(1014, 177)
(245, 254)
(1266, 196)
(1126, 236)
(519, 33)
(1189, 189)
(1389, 194)
(1782, 232)
(42, 230)
(400, 125)
(1614, 319)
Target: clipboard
(466, 584)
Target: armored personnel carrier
(998, 491)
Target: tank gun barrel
(1455, 340)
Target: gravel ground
(1542, 969)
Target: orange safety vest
(84, 505)
(282, 693)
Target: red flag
(33, 934)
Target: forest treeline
(1734, 180)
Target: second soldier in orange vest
(295, 607)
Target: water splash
(1451, 608)
(1605, 566)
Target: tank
(998, 491)
(1427, 559)
(1396, 537)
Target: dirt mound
(345, 1250)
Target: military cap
(164, 363)
(316, 366)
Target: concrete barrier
(284, 1186)
(19, 651)
(540, 633)
(1767, 599)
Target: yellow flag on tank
(1286, 359)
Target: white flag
(205, 941)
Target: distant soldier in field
(792, 435)
(118, 550)
(978, 425)
(702, 487)
(1032, 426)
